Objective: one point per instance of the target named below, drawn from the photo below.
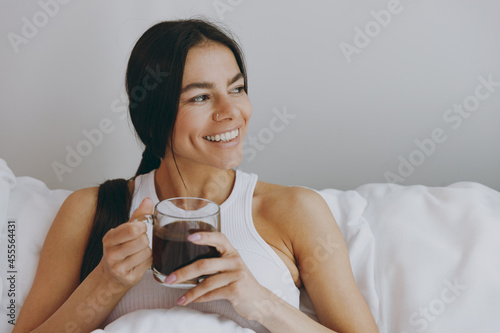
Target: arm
(57, 301)
(302, 217)
(324, 265)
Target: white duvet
(433, 251)
(425, 258)
(175, 320)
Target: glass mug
(172, 221)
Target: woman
(187, 86)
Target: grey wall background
(365, 84)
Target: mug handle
(149, 221)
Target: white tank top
(237, 224)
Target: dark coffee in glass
(172, 250)
(173, 220)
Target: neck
(200, 181)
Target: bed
(426, 259)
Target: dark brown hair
(153, 84)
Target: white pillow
(7, 182)
(177, 320)
(29, 207)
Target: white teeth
(224, 137)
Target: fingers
(124, 233)
(203, 267)
(133, 267)
(215, 239)
(120, 251)
(229, 260)
(221, 286)
(129, 231)
(138, 260)
(126, 251)
(232, 280)
(145, 208)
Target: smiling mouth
(223, 137)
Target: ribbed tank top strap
(242, 213)
(256, 253)
(235, 209)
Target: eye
(238, 90)
(200, 98)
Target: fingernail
(171, 278)
(194, 237)
(181, 300)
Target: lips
(223, 137)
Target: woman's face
(212, 84)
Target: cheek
(180, 133)
(246, 108)
(187, 125)
(180, 127)
(249, 113)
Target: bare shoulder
(79, 208)
(291, 203)
(80, 204)
(82, 200)
(74, 220)
(293, 216)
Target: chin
(230, 164)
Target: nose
(225, 109)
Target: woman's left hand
(229, 279)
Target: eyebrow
(209, 85)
